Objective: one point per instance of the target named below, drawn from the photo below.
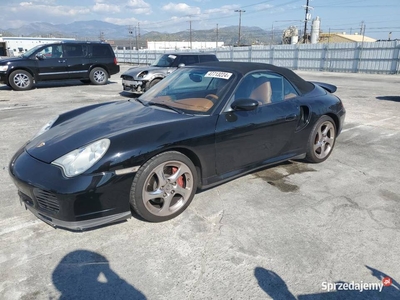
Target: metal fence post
(397, 46)
(250, 53)
(271, 59)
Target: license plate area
(131, 82)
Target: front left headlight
(3, 68)
(78, 161)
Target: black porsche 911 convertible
(200, 126)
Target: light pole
(240, 11)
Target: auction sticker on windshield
(215, 74)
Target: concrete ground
(286, 232)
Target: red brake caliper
(180, 179)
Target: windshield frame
(31, 51)
(164, 57)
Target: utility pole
(307, 17)
(216, 43)
(240, 11)
(130, 31)
(137, 36)
(190, 33)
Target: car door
(74, 57)
(245, 139)
(50, 63)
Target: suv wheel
(98, 76)
(20, 80)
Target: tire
(163, 187)
(86, 81)
(98, 76)
(152, 83)
(322, 140)
(20, 80)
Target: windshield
(191, 90)
(164, 61)
(31, 51)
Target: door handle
(61, 61)
(291, 117)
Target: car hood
(135, 71)
(5, 60)
(105, 121)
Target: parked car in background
(200, 126)
(140, 79)
(90, 62)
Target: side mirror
(244, 104)
(181, 65)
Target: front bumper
(133, 86)
(3, 77)
(77, 203)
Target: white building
(14, 46)
(164, 45)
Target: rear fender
(326, 86)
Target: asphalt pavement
(291, 231)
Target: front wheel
(98, 76)
(322, 140)
(164, 187)
(152, 83)
(20, 80)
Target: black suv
(91, 62)
(140, 79)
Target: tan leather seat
(263, 92)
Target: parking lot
(285, 232)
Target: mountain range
(96, 30)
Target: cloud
(101, 7)
(28, 12)
(139, 7)
(225, 10)
(182, 8)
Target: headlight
(78, 161)
(46, 127)
(143, 74)
(3, 68)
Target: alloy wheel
(167, 188)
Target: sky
(379, 17)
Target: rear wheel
(164, 187)
(20, 80)
(321, 140)
(98, 76)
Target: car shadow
(5, 88)
(389, 98)
(84, 274)
(64, 83)
(276, 288)
(54, 84)
(267, 173)
(129, 95)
